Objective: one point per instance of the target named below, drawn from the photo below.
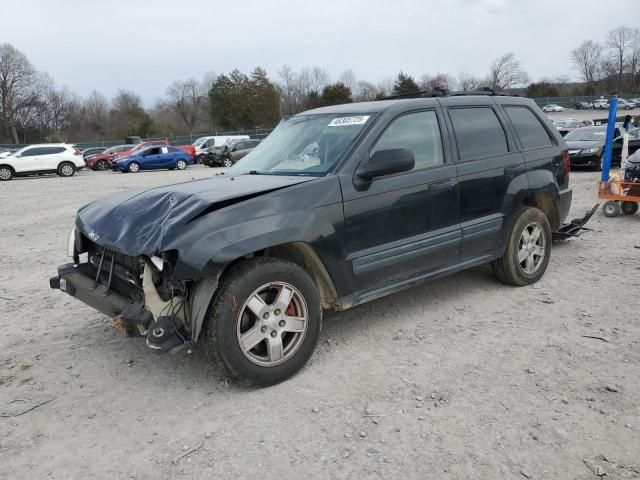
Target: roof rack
(445, 92)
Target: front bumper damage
(123, 288)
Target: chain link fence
(570, 102)
(257, 133)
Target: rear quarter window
(478, 133)
(528, 127)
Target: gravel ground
(459, 378)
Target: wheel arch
(545, 202)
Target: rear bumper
(564, 205)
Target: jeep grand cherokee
(396, 192)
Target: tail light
(566, 164)
(77, 152)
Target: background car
(102, 161)
(565, 125)
(154, 158)
(587, 144)
(189, 149)
(583, 106)
(552, 107)
(635, 101)
(87, 152)
(59, 158)
(601, 104)
(204, 143)
(241, 148)
(5, 152)
(625, 104)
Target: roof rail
(445, 92)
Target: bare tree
(348, 78)
(289, 90)
(439, 80)
(506, 72)
(586, 58)
(365, 91)
(468, 82)
(19, 89)
(187, 99)
(634, 59)
(619, 40)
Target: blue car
(154, 158)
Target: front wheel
(134, 167)
(102, 165)
(264, 322)
(528, 249)
(6, 173)
(228, 162)
(66, 169)
(181, 164)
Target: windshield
(584, 135)
(304, 145)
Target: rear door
(401, 225)
(488, 163)
(50, 157)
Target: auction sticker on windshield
(341, 121)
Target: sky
(145, 45)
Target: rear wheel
(102, 165)
(181, 164)
(264, 322)
(611, 209)
(66, 169)
(134, 167)
(528, 249)
(6, 173)
(629, 208)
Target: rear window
(478, 132)
(528, 127)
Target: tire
(134, 167)
(229, 319)
(611, 209)
(228, 162)
(181, 164)
(66, 169)
(102, 165)
(199, 158)
(525, 258)
(629, 208)
(6, 173)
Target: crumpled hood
(138, 221)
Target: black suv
(338, 206)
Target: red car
(102, 161)
(190, 149)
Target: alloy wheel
(181, 164)
(228, 162)
(5, 173)
(66, 170)
(531, 248)
(272, 324)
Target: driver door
(402, 225)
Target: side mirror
(386, 162)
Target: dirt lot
(460, 378)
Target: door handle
(514, 169)
(439, 186)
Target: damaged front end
(137, 293)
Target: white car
(202, 143)
(552, 107)
(59, 158)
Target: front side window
(478, 132)
(304, 145)
(528, 127)
(32, 152)
(418, 132)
